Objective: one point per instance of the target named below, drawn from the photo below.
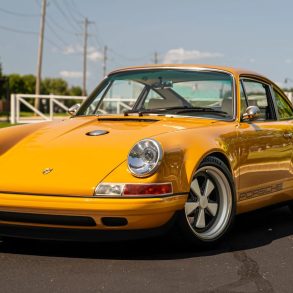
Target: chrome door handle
(288, 135)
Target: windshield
(164, 92)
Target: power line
(75, 8)
(68, 19)
(17, 30)
(56, 34)
(29, 33)
(99, 43)
(18, 13)
(59, 26)
(68, 9)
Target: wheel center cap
(203, 202)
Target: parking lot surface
(256, 257)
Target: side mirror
(251, 113)
(73, 110)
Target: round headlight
(145, 158)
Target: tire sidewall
(183, 225)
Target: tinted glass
(257, 94)
(284, 109)
(162, 89)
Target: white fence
(51, 102)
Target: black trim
(114, 221)
(88, 235)
(47, 219)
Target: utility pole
(40, 53)
(105, 58)
(156, 57)
(85, 36)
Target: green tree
(75, 91)
(29, 83)
(16, 84)
(57, 86)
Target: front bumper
(22, 213)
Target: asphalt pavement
(256, 257)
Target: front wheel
(291, 206)
(210, 207)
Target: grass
(5, 124)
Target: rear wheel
(210, 207)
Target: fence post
(12, 108)
(51, 106)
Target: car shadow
(251, 230)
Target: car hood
(60, 158)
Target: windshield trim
(117, 72)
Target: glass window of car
(284, 109)
(189, 93)
(154, 100)
(121, 96)
(257, 94)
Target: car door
(265, 145)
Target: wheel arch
(214, 153)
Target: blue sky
(252, 34)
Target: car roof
(232, 70)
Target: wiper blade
(202, 109)
(140, 112)
(181, 109)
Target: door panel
(265, 159)
(265, 148)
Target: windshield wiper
(202, 109)
(181, 109)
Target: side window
(257, 94)
(284, 109)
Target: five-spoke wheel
(210, 206)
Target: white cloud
(180, 55)
(93, 54)
(71, 74)
(72, 49)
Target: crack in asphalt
(249, 273)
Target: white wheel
(210, 206)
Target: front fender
(183, 152)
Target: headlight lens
(145, 157)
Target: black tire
(207, 217)
(290, 205)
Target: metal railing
(48, 114)
(53, 102)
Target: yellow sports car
(152, 148)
